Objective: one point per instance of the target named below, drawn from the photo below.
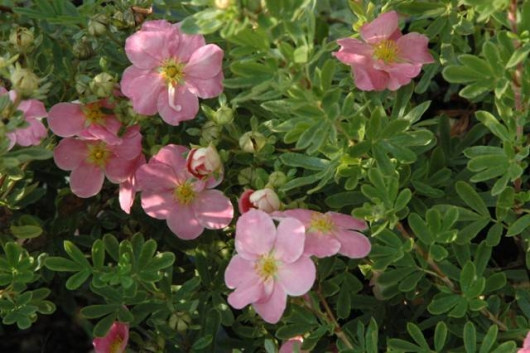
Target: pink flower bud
(115, 341)
(265, 200)
(204, 161)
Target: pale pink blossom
(265, 200)
(384, 58)
(205, 163)
(35, 131)
(269, 265)
(92, 121)
(128, 187)
(330, 233)
(171, 192)
(170, 69)
(91, 160)
(115, 341)
(526, 345)
(293, 345)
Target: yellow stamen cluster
(93, 113)
(266, 267)
(321, 223)
(386, 50)
(172, 71)
(115, 346)
(98, 154)
(184, 193)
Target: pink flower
(205, 163)
(170, 70)
(171, 192)
(115, 341)
(128, 187)
(33, 110)
(384, 59)
(291, 344)
(270, 264)
(330, 233)
(264, 199)
(91, 160)
(89, 121)
(526, 345)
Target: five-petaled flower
(270, 264)
(330, 233)
(91, 160)
(170, 69)
(32, 134)
(115, 341)
(171, 192)
(384, 59)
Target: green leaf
(506, 347)
(518, 56)
(467, 276)
(26, 231)
(96, 311)
(493, 125)
(303, 161)
(98, 254)
(489, 339)
(440, 336)
(61, 264)
(442, 303)
(494, 282)
(461, 74)
(202, 342)
(470, 337)
(103, 326)
(420, 229)
(468, 194)
(519, 226)
(416, 334)
(75, 254)
(292, 330)
(159, 262)
(402, 345)
(75, 281)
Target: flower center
(321, 223)
(93, 113)
(98, 154)
(386, 50)
(172, 71)
(115, 346)
(184, 193)
(267, 266)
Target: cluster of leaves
(438, 169)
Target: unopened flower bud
(204, 161)
(97, 25)
(210, 132)
(24, 81)
(277, 179)
(265, 200)
(223, 4)
(22, 38)
(102, 85)
(252, 141)
(223, 115)
(82, 49)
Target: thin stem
(338, 330)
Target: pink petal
(183, 223)
(292, 344)
(2, 90)
(156, 176)
(156, 25)
(126, 196)
(206, 88)
(131, 145)
(32, 109)
(255, 234)
(526, 343)
(247, 292)
(353, 244)
(173, 156)
(244, 204)
(413, 47)
(300, 214)
(188, 44)
(401, 74)
(290, 238)
(320, 245)
(183, 100)
(31, 135)
(119, 332)
(119, 169)
(369, 79)
(383, 27)
(70, 153)
(213, 209)
(143, 88)
(353, 51)
(86, 180)
(158, 204)
(99, 132)
(66, 119)
(272, 309)
(240, 271)
(298, 277)
(147, 49)
(205, 62)
(346, 221)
